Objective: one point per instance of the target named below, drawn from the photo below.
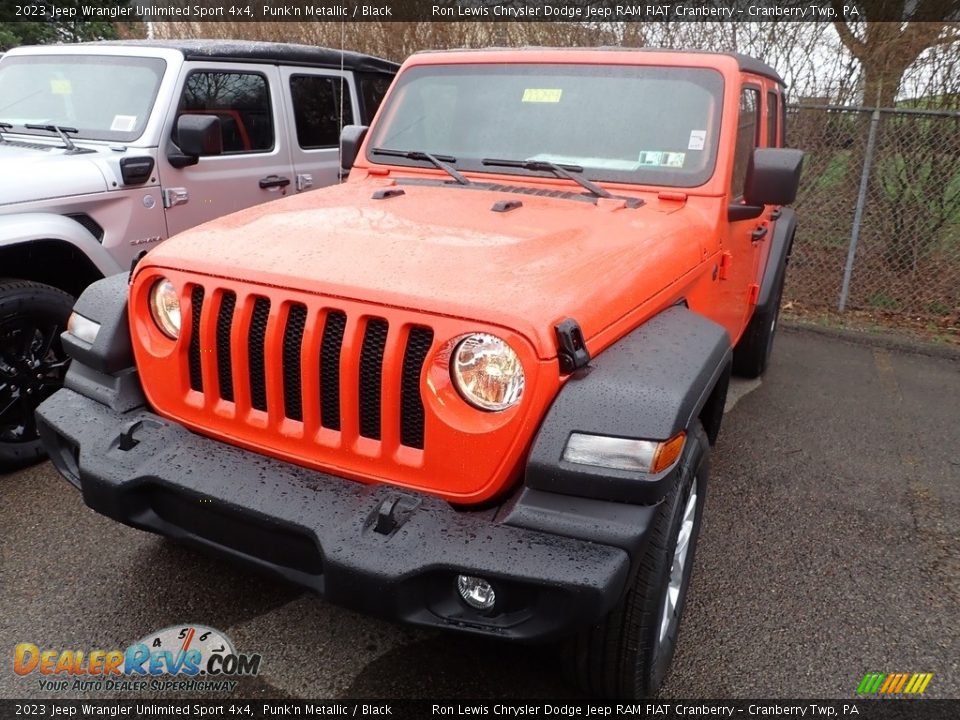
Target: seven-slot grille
(298, 324)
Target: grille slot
(228, 303)
(371, 376)
(335, 369)
(330, 347)
(292, 342)
(196, 373)
(411, 403)
(255, 353)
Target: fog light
(476, 592)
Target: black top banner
(593, 11)
(261, 709)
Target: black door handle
(759, 234)
(274, 181)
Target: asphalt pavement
(829, 549)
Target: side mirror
(773, 176)
(196, 136)
(351, 138)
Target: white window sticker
(698, 139)
(123, 123)
(650, 158)
(658, 158)
(673, 159)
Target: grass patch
(882, 301)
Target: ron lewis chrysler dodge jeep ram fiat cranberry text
(475, 386)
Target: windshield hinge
(572, 351)
(304, 181)
(175, 196)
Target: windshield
(103, 97)
(620, 123)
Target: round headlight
(165, 307)
(487, 372)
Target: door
(255, 165)
(741, 245)
(319, 103)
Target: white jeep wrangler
(106, 149)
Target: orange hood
(442, 249)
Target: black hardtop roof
(746, 63)
(265, 52)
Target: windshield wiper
(59, 130)
(438, 161)
(564, 171)
(4, 126)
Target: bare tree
(885, 49)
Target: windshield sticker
(123, 123)
(61, 87)
(673, 159)
(656, 158)
(542, 95)
(698, 139)
(650, 158)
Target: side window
(317, 105)
(372, 90)
(783, 123)
(773, 115)
(242, 102)
(748, 132)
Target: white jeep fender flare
(25, 228)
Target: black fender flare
(104, 370)
(104, 302)
(780, 247)
(650, 385)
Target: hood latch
(572, 351)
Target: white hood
(38, 172)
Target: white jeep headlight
(165, 307)
(487, 372)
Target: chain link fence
(878, 215)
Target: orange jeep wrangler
(475, 386)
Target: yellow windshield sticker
(542, 95)
(61, 87)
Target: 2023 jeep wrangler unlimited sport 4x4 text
(474, 387)
(107, 149)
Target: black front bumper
(556, 562)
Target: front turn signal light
(83, 328)
(646, 456)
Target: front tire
(628, 653)
(32, 364)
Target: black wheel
(752, 353)
(627, 654)
(32, 364)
